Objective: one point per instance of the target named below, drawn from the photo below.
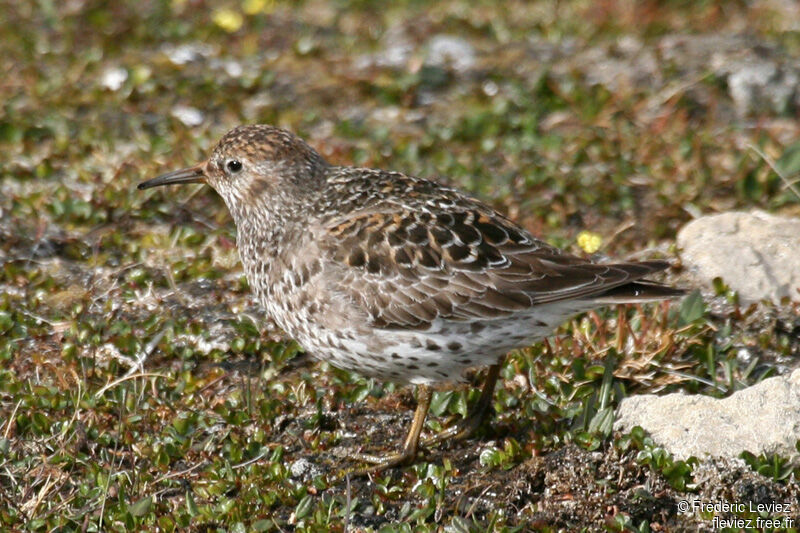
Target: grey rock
(396, 51)
(756, 254)
(626, 63)
(761, 77)
(446, 50)
(303, 468)
(189, 52)
(762, 86)
(190, 116)
(113, 78)
(395, 55)
(692, 54)
(764, 418)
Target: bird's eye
(234, 165)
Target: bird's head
(254, 166)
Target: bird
(397, 277)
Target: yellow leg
(411, 444)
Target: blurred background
(601, 126)
(567, 115)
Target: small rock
(190, 116)
(762, 87)
(446, 50)
(764, 418)
(756, 254)
(490, 88)
(395, 53)
(304, 467)
(627, 64)
(114, 77)
(232, 68)
(187, 53)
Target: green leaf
(262, 525)
(459, 404)
(191, 507)
(458, 525)
(789, 162)
(588, 440)
(304, 507)
(490, 457)
(603, 421)
(361, 393)
(692, 308)
(142, 507)
(440, 402)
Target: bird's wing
(408, 267)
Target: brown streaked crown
(264, 150)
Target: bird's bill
(195, 174)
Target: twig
(181, 473)
(695, 378)
(250, 461)
(11, 419)
(347, 503)
(127, 377)
(138, 364)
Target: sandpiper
(397, 277)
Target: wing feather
(409, 265)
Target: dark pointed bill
(193, 174)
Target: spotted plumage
(393, 276)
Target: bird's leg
(411, 444)
(467, 426)
(461, 430)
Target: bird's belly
(328, 331)
(440, 354)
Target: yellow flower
(589, 242)
(251, 7)
(228, 19)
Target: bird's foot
(461, 430)
(378, 463)
(467, 426)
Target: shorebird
(397, 277)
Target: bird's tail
(638, 292)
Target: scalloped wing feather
(407, 267)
